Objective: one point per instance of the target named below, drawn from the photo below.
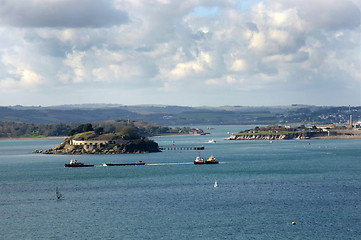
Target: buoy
(293, 223)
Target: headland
(300, 132)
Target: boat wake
(165, 164)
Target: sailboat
(215, 184)
(58, 194)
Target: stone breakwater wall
(267, 137)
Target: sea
(291, 189)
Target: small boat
(75, 163)
(58, 194)
(199, 160)
(215, 184)
(211, 160)
(212, 141)
(123, 164)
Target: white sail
(215, 184)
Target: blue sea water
(263, 188)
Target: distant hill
(75, 115)
(181, 115)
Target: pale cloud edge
(180, 52)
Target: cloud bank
(180, 52)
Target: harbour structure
(172, 148)
(95, 144)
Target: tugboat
(211, 160)
(199, 160)
(75, 163)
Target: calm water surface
(263, 187)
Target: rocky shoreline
(299, 136)
(265, 137)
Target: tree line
(20, 129)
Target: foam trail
(165, 164)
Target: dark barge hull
(123, 164)
(205, 163)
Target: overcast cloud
(191, 52)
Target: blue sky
(189, 53)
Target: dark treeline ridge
(26, 130)
(182, 116)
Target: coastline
(358, 136)
(32, 138)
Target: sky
(187, 53)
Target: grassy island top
(85, 132)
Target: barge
(123, 164)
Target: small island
(301, 132)
(86, 140)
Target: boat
(212, 141)
(199, 160)
(75, 163)
(215, 184)
(58, 194)
(211, 160)
(123, 164)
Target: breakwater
(173, 148)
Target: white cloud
(239, 65)
(199, 65)
(74, 61)
(162, 47)
(27, 79)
